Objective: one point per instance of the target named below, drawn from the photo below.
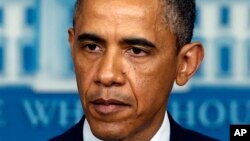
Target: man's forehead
(139, 7)
(128, 2)
(144, 10)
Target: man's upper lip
(101, 101)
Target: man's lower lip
(108, 109)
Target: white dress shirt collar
(163, 134)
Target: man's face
(125, 62)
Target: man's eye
(92, 48)
(137, 52)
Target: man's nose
(110, 70)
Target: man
(127, 55)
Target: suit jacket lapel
(175, 129)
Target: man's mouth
(108, 106)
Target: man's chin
(111, 126)
(109, 132)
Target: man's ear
(189, 60)
(71, 36)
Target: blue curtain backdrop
(38, 95)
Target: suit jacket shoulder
(75, 133)
(178, 133)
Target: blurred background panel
(38, 94)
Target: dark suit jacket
(177, 133)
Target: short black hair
(179, 14)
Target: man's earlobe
(71, 36)
(189, 60)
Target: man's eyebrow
(90, 37)
(138, 41)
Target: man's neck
(161, 134)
